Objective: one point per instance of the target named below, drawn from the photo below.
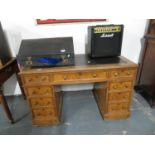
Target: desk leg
(5, 106)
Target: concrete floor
(80, 116)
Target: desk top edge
(128, 63)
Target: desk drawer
(42, 102)
(120, 96)
(39, 90)
(93, 75)
(118, 106)
(43, 112)
(73, 76)
(37, 78)
(127, 85)
(122, 73)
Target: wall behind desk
(16, 30)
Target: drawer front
(42, 90)
(57, 77)
(43, 112)
(42, 102)
(46, 121)
(65, 76)
(115, 107)
(120, 85)
(122, 73)
(31, 79)
(93, 75)
(120, 96)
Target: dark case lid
(46, 46)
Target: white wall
(16, 30)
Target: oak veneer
(113, 89)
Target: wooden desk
(6, 71)
(113, 88)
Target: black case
(33, 49)
(105, 40)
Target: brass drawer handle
(65, 77)
(50, 113)
(34, 92)
(115, 87)
(80, 73)
(125, 96)
(36, 103)
(39, 114)
(126, 86)
(30, 80)
(128, 73)
(116, 74)
(94, 75)
(43, 79)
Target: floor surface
(80, 116)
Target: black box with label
(105, 40)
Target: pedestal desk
(113, 87)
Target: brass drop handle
(126, 86)
(94, 75)
(43, 78)
(38, 113)
(34, 92)
(125, 96)
(128, 73)
(30, 80)
(36, 103)
(114, 86)
(79, 74)
(46, 91)
(116, 74)
(65, 77)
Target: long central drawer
(73, 76)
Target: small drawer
(93, 75)
(65, 77)
(122, 106)
(43, 112)
(42, 90)
(114, 97)
(122, 73)
(31, 79)
(120, 85)
(42, 102)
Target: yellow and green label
(107, 29)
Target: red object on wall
(52, 21)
